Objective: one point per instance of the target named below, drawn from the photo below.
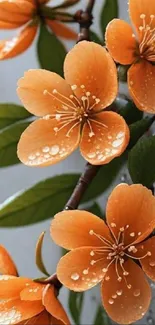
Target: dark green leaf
(11, 113)
(96, 209)
(95, 38)
(75, 303)
(101, 317)
(51, 52)
(109, 11)
(137, 129)
(9, 138)
(39, 258)
(128, 110)
(142, 161)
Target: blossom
(108, 253)
(71, 110)
(24, 301)
(136, 48)
(24, 13)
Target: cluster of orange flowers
(73, 112)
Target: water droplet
(114, 296)
(85, 271)
(92, 253)
(113, 225)
(117, 143)
(119, 292)
(120, 135)
(111, 301)
(107, 278)
(54, 150)
(75, 276)
(31, 157)
(91, 155)
(132, 234)
(152, 263)
(136, 293)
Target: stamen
(67, 135)
(97, 122)
(138, 258)
(91, 134)
(46, 92)
(104, 240)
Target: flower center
(147, 38)
(74, 111)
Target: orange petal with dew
(43, 92)
(7, 265)
(7, 25)
(141, 78)
(10, 286)
(42, 319)
(17, 45)
(121, 41)
(131, 208)
(147, 263)
(16, 311)
(32, 292)
(90, 70)
(53, 306)
(82, 268)
(61, 30)
(126, 304)
(41, 145)
(105, 137)
(139, 10)
(16, 12)
(65, 229)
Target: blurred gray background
(21, 241)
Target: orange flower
(72, 110)
(107, 253)
(136, 49)
(24, 301)
(17, 13)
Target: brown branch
(85, 19)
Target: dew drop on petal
(119, 292)
(75, 276)
(46, 149)
(91, 155)
(54, 150)
(152, 263)
(136, 293)
(111, 301)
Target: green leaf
(11, 113)
(95, 38)
(109, 11)
(137, 129)
(9, 138)
(75, 303)
(101, 318)
(39, 258)
(96, 209)
(141, 161)
(51, 52)
(128, 110)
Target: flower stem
(85, 19)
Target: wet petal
(131, 208)
(7, 25)
(32, 292)
(15, 311)
(16, 12)
(121, 41)
(89, 69)
(82, 268)
(141, 80)
(53, 306)
(10, 286)
(105, 139)
(138, 8)
(71, 229)
(61, 30)
(148, 263)
(42, 318)
(126, 305)
(7, 265)
(32, 87)
(19, 44)
(41, 145)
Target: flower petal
(53, 306)
(124, 305)
(65, 229)
(7, 25)
(40, 145)
(10, 286)
(148, 263)
(88, 67)
(78, 270)
(15, 311)
(105, 139)
(32, 292)
(32, 87)
(19, 44)
(140, 7)
(120, 41)
(7, 265)
(16, 12)
(42, 319)
(131, 207)
(61, 30)
(141, 78)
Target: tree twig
(85, 19)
